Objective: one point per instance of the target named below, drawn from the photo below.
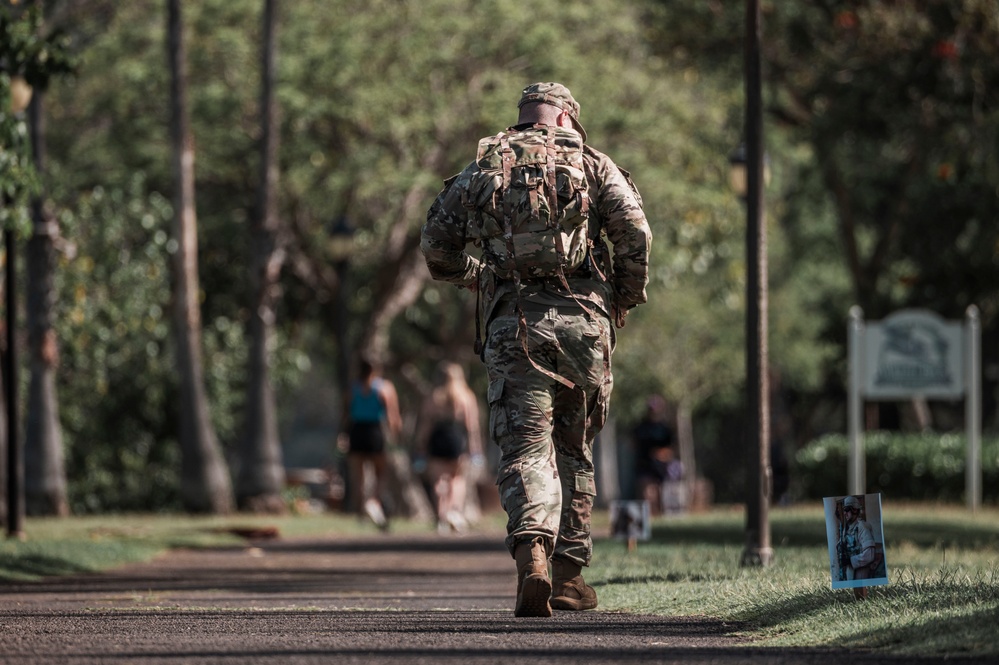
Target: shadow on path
(385, 599)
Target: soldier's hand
(619, 316)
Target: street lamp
(341, 239)
(758, 472)
(20, 95)
(757, 550)
(737, 171)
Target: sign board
(913, 353)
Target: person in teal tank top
(372, 418)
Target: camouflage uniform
(544, 429)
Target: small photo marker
(855, 534)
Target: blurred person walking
(658, 471)
(371, 421)
(449, 437)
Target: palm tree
(44, 466)
(205, 479)
(261, 473)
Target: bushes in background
(919, 467)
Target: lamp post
(757, 550)
(20, 97)
(340, 248)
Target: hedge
(919, 467)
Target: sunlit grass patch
(942, 596)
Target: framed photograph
(630, 520)
(856, 540)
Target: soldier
(857, 549)
(548, 330)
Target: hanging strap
(479, 347)
(553, 222)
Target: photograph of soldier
(630, 520)
(856, 541)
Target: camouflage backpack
(528, 203)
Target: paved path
(385, 599)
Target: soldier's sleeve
(619, 206)
(443, 237)
(865, 542)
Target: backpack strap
(550, 161)
(556, 231)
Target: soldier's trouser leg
(545, 430)
(579, 416)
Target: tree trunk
(4, 459)
(399, 286)
(261, 472)
(205, 479)
(44, 466)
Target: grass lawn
(942, 596)
(943, 567)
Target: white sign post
(915, 353)
(973, 411)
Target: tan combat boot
(570, 591)
(534, 587)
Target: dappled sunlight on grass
(62, 546)
(942, 596)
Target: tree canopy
(881, 128)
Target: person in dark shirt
(657, 463)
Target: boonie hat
(851, 502)
(557, 95)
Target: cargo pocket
(601, 405)
(585, 484)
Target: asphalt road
(376, 599)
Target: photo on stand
(630, 520)
(856, 541)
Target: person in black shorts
(448, 434)
(372, 417)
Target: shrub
(920, 467)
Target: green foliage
(918, 467)
(23, 53)
(24, 50)
(899, 102)
(116, 380)
(18, 180)
(364, 140)
(881, 124)
(379, 100)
